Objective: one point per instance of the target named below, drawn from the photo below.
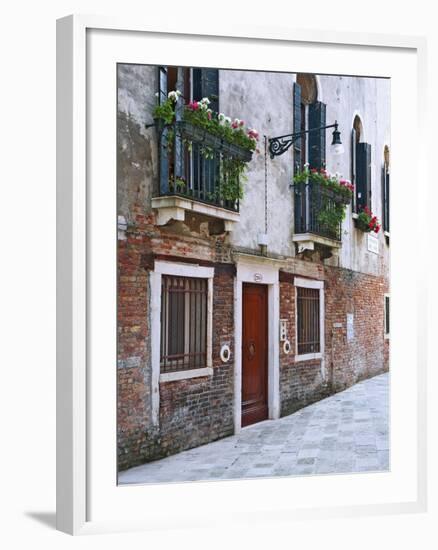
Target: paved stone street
(347, 432)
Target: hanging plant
(329, 195)
(367, 222)
(212, 132)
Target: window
(360, 167)
(309, 113)
(183, 323)
(309, 318)
(386, 321)
(177, 162)
(385, 189)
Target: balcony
(315, 209)
(197, 174)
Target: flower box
(361, 225)
(201, 136)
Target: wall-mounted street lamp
(279, 145)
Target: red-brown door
(254, 354)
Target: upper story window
(385, 189)
(309, 113)
(360, 167)
(182, 168)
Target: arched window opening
(360, 167)
(309, 113)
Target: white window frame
(310, 283)
(180, 270)
(386, 335)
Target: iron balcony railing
(193, 164)
(311, 203)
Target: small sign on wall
(350, 327)
(373, 244)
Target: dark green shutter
(164, 160)
(178, 142)
(353, 166)
(206, 84)
(385, 198)
(363, 175)
(317, 119)
(297, 125)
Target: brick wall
(346, 362)
(194, 411)
(367, 354)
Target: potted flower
(201, 124)
(367, 222)
(327, 196)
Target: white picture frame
(78, 346)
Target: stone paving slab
(345, 433)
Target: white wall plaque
(373, 244)
(350, 327)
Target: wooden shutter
(363, 175)
(385, 197)
(353, 167)
(317, 145)
(178, 143)
(297, 125)
(206, 84)
(164, 157)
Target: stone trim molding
(309, 283)
(181, 270)
(260, 270)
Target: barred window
(386, 315)
(308, 320)
(183, 323)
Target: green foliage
(329, 196)
(342, 188)
(165, 111)
(232, 169)
(366, 221)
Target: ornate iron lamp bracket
(280, 144)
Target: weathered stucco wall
(137, 160)
(264, 101)
(369, 98)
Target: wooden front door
(254, 354)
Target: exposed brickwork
(366, 355)
(346, 363)
(194, 411)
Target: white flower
(205, 101)
(227, 120)
(174, 95)
(157, 94)
(306, 165)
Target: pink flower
(193, 105)
(241, 123)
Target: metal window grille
(308, 320)
(386, 314)
(183, 323)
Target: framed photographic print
(238, 333)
